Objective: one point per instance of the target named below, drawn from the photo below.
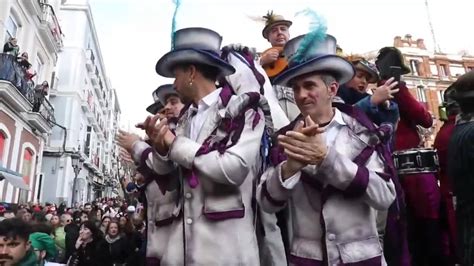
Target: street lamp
(76, 162)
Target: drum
(415, 161)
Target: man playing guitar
(276, 31)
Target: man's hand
(149, 124)
(385, 92)
(302, 146)
(269, 57)
(161, 137)
(126, 140)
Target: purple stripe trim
(152, 261)
(267, 195)
(144, 155)
(359, 184)
(146, 172)
(298, 261)
(165, 222)
(364, 156)
(219, 216)
(376, 261)
(225, 95)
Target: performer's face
(360, 81)
(173, 106)
(183, 80)
(313, 97)
(279, 35)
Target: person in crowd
(115, 248)
(59, 234)
(378, 106)
(277, 33)
(15, 248)
(72, 233)
(11, 47)
(104, 223)
(421, 190)
(86, 246)
(87, 207)
(41, 91)
(461, 166)
(321, 169)
(451, 108)
(44, 248)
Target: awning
(14, 178)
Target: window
(3, 140)
(443, 70)
(440, 96)
(88, 141)
(469, 69)
(414, 66)
(421, 93)
(26, 171)
(11, 27)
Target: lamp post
(76, 162)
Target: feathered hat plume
(317, 34)
(177, 4)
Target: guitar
(276, 67)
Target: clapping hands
(304, 145)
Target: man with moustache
(15, 248)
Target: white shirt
(202, 112)
(331, 131)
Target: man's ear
(28, 244)
(333, 88)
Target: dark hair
(93, 228)
(39, 217)
(87, 204)
(15, 228)
(208, 72)
(42, 228)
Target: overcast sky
(134, 34)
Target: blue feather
(317, 33)
(177, 4)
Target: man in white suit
(328, 165)
(209, 164)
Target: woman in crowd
(114, 249)
(86, 247)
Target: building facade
(24, 132)
(87, 107)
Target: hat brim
(154, 108)
(163, 94)
(164, 66)
(374, 77)
(267, 28)
(341, 68)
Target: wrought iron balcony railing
(10, 70)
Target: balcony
(19, 94)
(90, 59)
(50, 30)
